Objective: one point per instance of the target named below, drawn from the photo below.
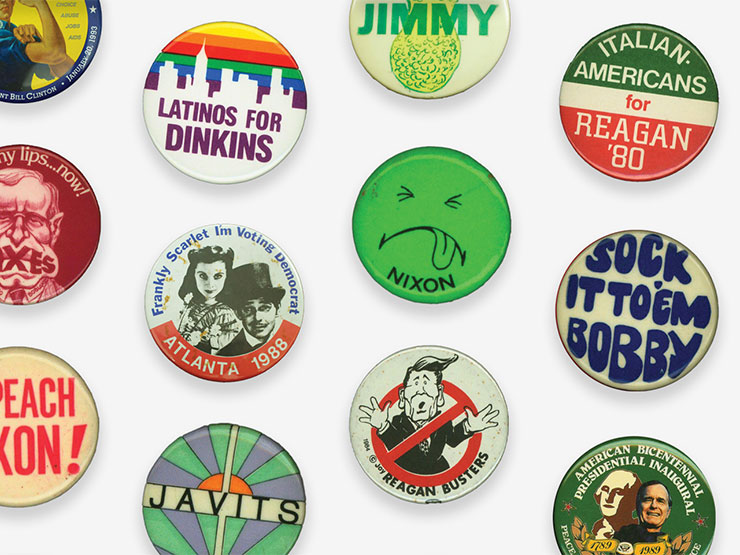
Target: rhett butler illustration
(420, 399)
(30, 222)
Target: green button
(431, 225)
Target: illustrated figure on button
(616, 498)
(26, 51)
(420, 398)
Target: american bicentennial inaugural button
(431, 225)
(636, 310)
(224, 490)
(224, 102)
(639, 102)
(429, 48)
(49, 224)
(224, 302)
(634, 496)
(48, 427)
(45, 46)
(429, 424)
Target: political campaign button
(429, 424)
(224, 102)
(639, 102)
(634, 496)
(45, 46)
(49, 224)
(431, 225)
(224, 489)
(48, 427)
(429, 48)
(636, 310)
(224, 302)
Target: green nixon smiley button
(431, 225)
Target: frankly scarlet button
(634, 496)
(429, 48)
(636, 310)
(49, 224)
(224, 489)
(431, 225)
(224, 302)
(428, 424)
(45, 46)
(639, 102)
(224, 102)
(48, 427)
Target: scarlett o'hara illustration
(420, 398)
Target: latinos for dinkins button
(431, 225)
(634, 496)
(637, 310)
(224, 102)
(639, 102)
(224, 489)
(49, 224)
(45, 46)
(48, 427)
(429, 424)
(224, 302)
(429, 48)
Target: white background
(510, 123)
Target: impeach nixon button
(48, 427)
(639, 102)
(636, 310)
(224, 102)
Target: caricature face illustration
(431, 225)
(258, 316)
(613, 490)
(210, 279)
(29, 227)
(6, 9)
(421, 396)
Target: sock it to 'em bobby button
(636, 310)
(429, 48)
(48, 427)
(633, 496)
(224, 302)
(429, 424)
(45, 46)
(224, 102)
(431, 225)
(224, 489)
(639, 102)
(49, 224)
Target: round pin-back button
(639, 102)
(431, 225)
(224, 302)
(48, 427)
(45, 46)
(224, 102)
(429, 424)
(634, 495)
(636, 310)
(224, 489)
(49, 224)
(429, 48)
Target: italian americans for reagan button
(639, 102)
(224, 102)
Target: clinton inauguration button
(224, 303)
(224, 102)
(48, 427)
(429, 48)
(45, 46)
(49, 224)
(639, 102)
(634, 496)
(224, 489)
(431, 225)
(429, 424)
(636, 310)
